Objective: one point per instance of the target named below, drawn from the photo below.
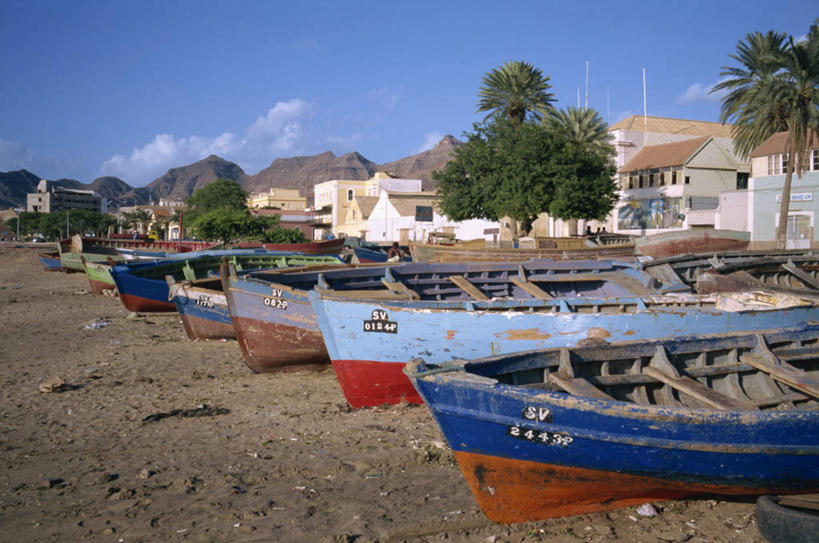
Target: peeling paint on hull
(268, 346)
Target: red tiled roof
(661, 156)
(776, 145)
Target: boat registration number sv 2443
(538, 436)
(380, 322)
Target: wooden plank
(531, 288)
(785, 373)
(362, 294)
(401, 288)
(578, 386)
(464, 284)
(801, 275)
(699, 391)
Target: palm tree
(583, 126)
(515, 90)
(775, 89)
(139, 219)
(160, 225)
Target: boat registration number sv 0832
(538, 436)
(380, 322)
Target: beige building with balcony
(276, 198)
(334, 202)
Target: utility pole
(67, 231)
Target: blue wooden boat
(374, 255)
(275, 322)
(370, 341)
(143, 287)
(567, 431)
(50, 260)
(366, 255)
(790, 271)
(202, 304)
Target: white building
(405, 217)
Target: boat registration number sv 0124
(380, 322)
(538, 436)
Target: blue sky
(132, 88)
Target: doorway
(799, 231)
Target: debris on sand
(200, 411)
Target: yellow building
(288, 199)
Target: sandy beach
(114, 427)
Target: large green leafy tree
(517, 90)
(773, 88)
(520, 170)
(219, 211)
(218, 194)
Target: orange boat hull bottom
(510, 490)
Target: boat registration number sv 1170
(380, 322)
(538, 436)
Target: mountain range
(301, 173)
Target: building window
(651, 180)
(349, 195)
(742, 180)
(641, 181)
(687, 179)
(662, 178)
(777, 164)
(814, 162)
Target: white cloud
(800, 39)
(431, 139)
(386, 97)
(698, 92)
(279, 131)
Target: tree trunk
(784, 205)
